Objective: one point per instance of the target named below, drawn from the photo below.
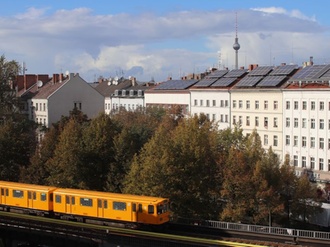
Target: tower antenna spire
(236, 46)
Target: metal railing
(267, 230)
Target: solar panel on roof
(205, 82)
(236, 73)
(262, 70)
(249, 81)
(224, 82)
(217, 73)
(271, 81)
(309, 72)
(175, 84)
(284, 69)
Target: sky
(156, 40)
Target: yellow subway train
(84, 205)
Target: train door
(2, 196)
(134, 212)
(69, 203)
(31, 197)
(101, 206)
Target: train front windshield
(162, 208)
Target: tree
(179, 163)
(66, 166)
(8, 100)
(98, 151)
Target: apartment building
(306, 121)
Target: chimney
(311, 60)
(24, 82)
(283, 64)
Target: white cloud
(78, 40)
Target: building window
(207, 103)
(287, 105)
(265, 140)
(248, 104)
(240, 104)
(329, 143)
(321, 143)
(312, 123)
(321, 124)
(303, 141)
(275, 105)
(287, 140)
(37, 106)
(214, 102)
(295, 106)
(304, 123)
(266, 122)
(221, 103)
(312, 105)
(295, 160)
(226, 103)
(234, 103)
(247, 121)
(312, 163)
(275, 122)
(226, 118)
(312, 142)
(257, 104)
(304, 105)
(287, 122)
(256, 121)
(213, 117)
(321, 164)
(201, 102)
(265, 104)
(295, 141)
(240, 120)
(303, 161)
(195, 102)
(234, 119)
(221, 118)
(321, 106)
(77, 105)
(295, 123)
(275, 142)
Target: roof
(22, 186)
(106, 89)
(113, 196)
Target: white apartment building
(60, 95)
(213, 103)
(306, 121)
(259, 109)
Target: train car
(28, 198)
(125, 208)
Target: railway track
(176, 235)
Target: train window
(134, 207)
(140, 208)
(43, 197)
(119, 206)
(51, 197)
(105, 204)
(86, 202)
(73, 200)
(29, 195)
(34, 195)
(7, 192)
(18, 194)
(99, 203)
(151, 209)
(58, 199)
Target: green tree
(179, 163)
(8, 100)
(98, 151)
(66, 166)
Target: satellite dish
(39, 83)
(67, 72)
(116, 78)
(109, 83)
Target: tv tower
(236, 47)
